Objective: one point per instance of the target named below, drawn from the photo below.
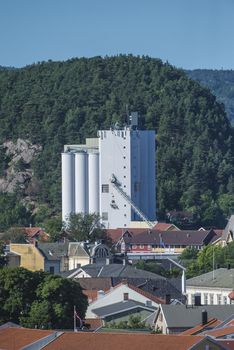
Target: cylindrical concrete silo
(93, 173)
(81, 182)
(68, 185)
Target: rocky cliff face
(17, 173)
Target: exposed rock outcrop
(18, 173)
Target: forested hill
(56, 103)
(221, 84)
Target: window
(149, 247)
(134, 246)
(52, 269)
(141, 246)
(125, 296)
(219, 299)
(205, 298)
(211, 299)
(124, 157)
(124, 167)
(105, 216)
(225, 300)
(148, 303)
(105, 188)
(124, 147)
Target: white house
(213, 287)
(123, 292)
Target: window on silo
(105, 216)
(105, 188)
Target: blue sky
(187, 33)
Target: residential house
(59, 257)
(174, 319)
(171, 243)
(117, 234)
(213, 287)
(228, 232)
(31, 257)
(110, 303)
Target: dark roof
(187, 317)
(53, 251)
(118, 270)
(121, 307)
(157, 287)
(185, 237)
(95, 283)
(222, 278)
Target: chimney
(168, 298)
(197, 299)
(204, 317)
(100, 294)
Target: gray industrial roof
(221, 278)
(120, 307)
(187, 317)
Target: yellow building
(31, 258)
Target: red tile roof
(218, 333)
(121, 341)
(213, 322)
(163, 226)
(17, 338)
(231, 295)
(228, 344)
(94, 323)
(117, 233)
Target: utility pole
(74, 316)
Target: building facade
(113, 176)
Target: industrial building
(112, 175)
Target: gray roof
(53, 251)
(220, 278)
(118, 270)
(78, 249)
(121, 307)
(180, 316)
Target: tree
(53, 227)
(3, 259)
(189, 253)
(39, 299)
(55, 302)
(14, 235)
(81, 227)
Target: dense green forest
(57, 103)
(221, 84)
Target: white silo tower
(93, 175)
(81, 182)
(68, 185)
